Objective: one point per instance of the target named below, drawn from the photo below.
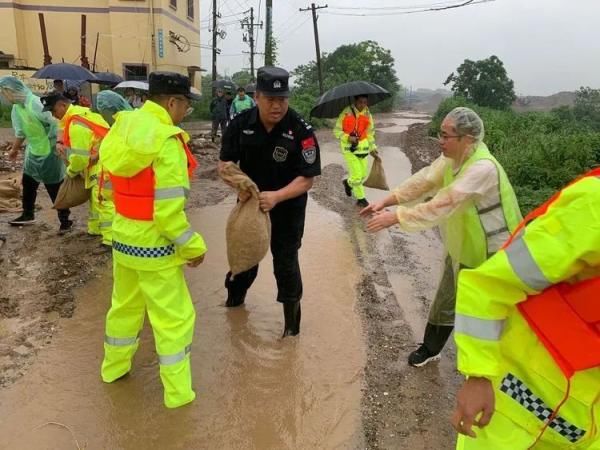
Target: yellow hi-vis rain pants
(93, 224)
(357, 173)
(164, 294)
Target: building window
(173, 4)
(190, 9)
(138, 72)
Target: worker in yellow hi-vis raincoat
(82, 133)
(356, 132)
(149, 164)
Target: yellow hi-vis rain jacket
(496, 342)
(137, 140)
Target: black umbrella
(107, 78)
(332, 102)
(64, 71)
(226, 85)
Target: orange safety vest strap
(98, 130)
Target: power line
(416, 11)
(383, 8)
(293, 30)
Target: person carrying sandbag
(278, 150)
(356, 132)
(82, 133)
(37, 129)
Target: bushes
(5, 110)
(541, 152)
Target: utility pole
(250, 25)
(47, 57)
(314, 9)
(269, 35)
(214, 47)
(84, 59)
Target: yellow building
(129, 37)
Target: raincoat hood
(136, 139)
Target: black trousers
(30, 187)
(216, 123)
(287, 229)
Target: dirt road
(344, 383)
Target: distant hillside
(428, 100)
(537, 103)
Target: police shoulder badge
(280, 154)
(309, 150)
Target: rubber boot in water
(235, 294)
(291, 314)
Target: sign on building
(36, 85)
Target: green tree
(366, 61)
(242, 78)
(484, 82)
(587, 107)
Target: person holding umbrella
(354, 128)
(356, 132)
(42, 164)
(473, 202)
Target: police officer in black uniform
(278, 150)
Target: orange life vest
(98, 131)
(565, 317)
(134, 196)
(357, 125)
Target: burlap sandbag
(10, 195)
(72, 193)
(376, 178)
(248, 229)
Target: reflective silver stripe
(105, 224)
(489, 208)
(93, 216)
(167, 360)
(498, 231)
(490, 330)
(120, 342)
(166, 193)
(77, 151)
(184, 237)
(525, 266)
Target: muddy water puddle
(254, 390)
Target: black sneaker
(363, 202)
(65, 227)
(422, 356)
(23, 219)
(347, 188)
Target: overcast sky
(547, 45)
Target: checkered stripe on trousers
(144, 252)
(517, 390)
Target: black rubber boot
(235, 294)
(291, 314)
(347, 188)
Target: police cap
(48, 101)
(170, 83)
(273, 81)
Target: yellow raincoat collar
(162, 115)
